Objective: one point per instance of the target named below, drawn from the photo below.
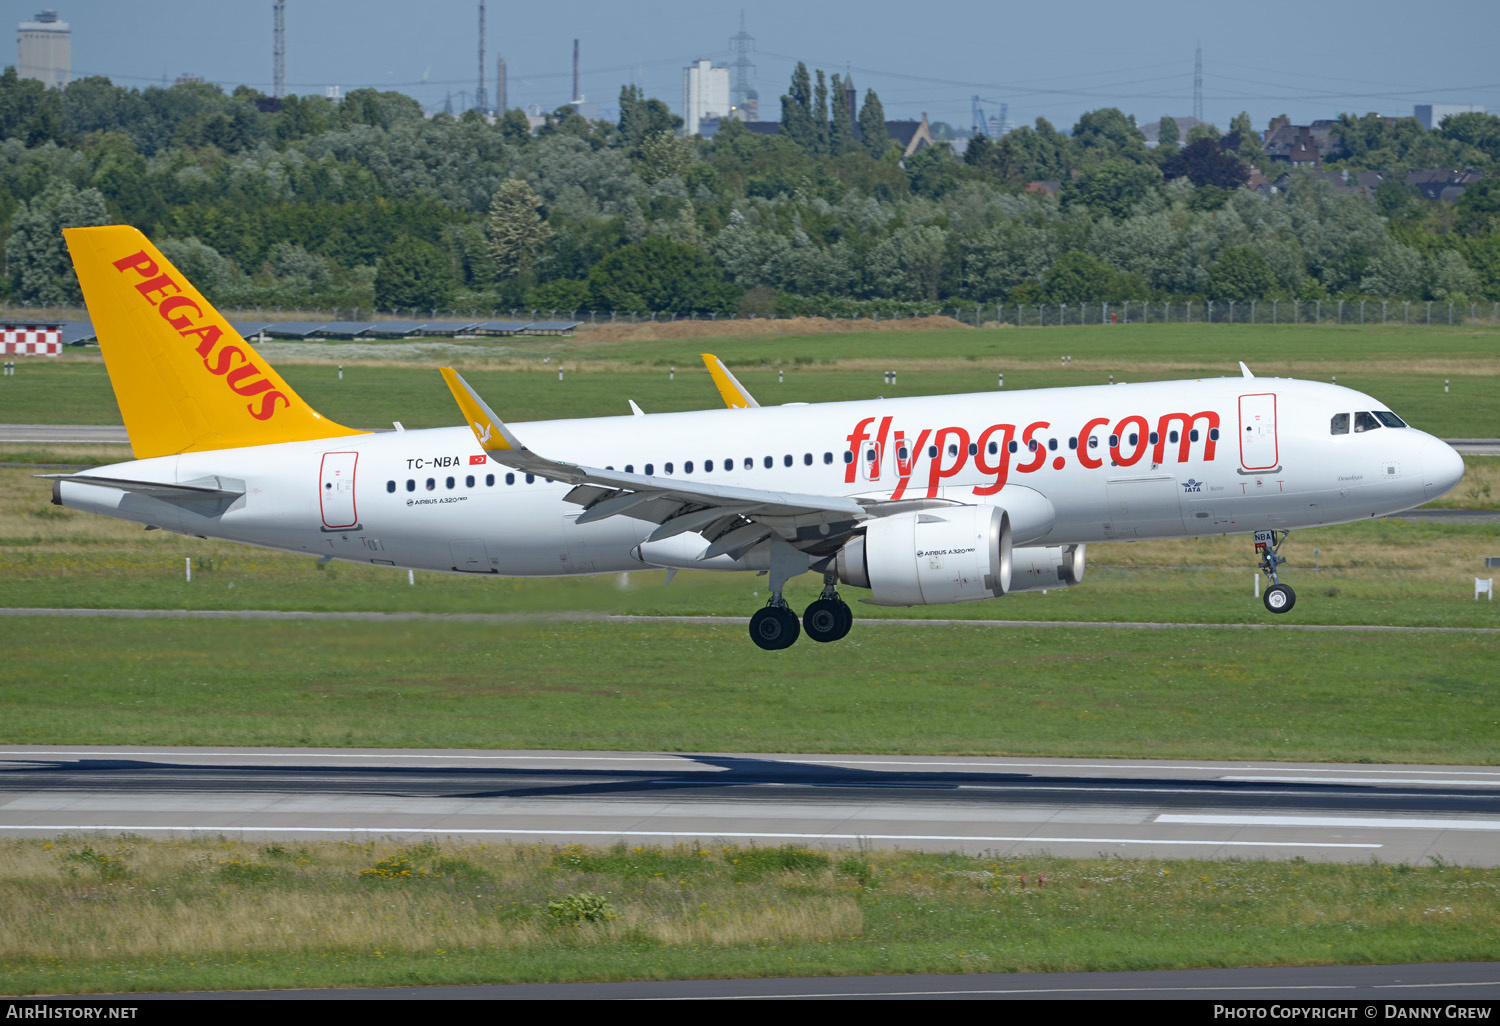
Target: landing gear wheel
(827, 620)
(774, 627)
(847, 616)
(1279, 598)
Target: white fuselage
(1155, 460)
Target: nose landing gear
(1279, 598)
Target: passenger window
(902, 454)
(510, 479)
(1213, 433)
(1114, 440)
(770, 462)
(807, 459)
(450, 482)
(1094, 442)
(848, 456)
(1365, 422)
(786, 460)
(390, 486)
(994, 448)
(1052, 444)
(650, 471)
(1073, 443)
(1135, 439)
(1153, 436)
(708, 466)
(469, 481)
(530, 478)
(630, 468)
(667, 467)
(411, 485)
(1193, 435)
(749, 462)
(973, 449)
(1173, 436)
(1013, 446)
(952, 450)
(489, 480)
(932, 452)
(828, 459)
(431, 483)
(1031, 445)
(687, 468)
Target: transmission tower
(480, 100)
(278, 50)
(1198, 85)
(741, 43)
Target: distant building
(45, 47)
(501, 98)
(1302, 145)
(1432, 114)
(705, 94)
(185, 78)
(911, 136)
(1152, 132)
(1441, 184)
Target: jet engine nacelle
(950, 554)
(1045, 566)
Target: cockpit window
(1365, 422)
(1389, 419)
(1339, 425)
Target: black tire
(846, 617)
(826, 620)
(1279, 598)
(774, 628)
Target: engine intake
(955, 554)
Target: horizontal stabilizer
(208, 496)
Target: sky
(1305, 58)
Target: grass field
(127, 914)
(134, 915)
(1097, 691)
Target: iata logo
(228, 362)
(1191, 485)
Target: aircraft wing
(736, 396)
(733, 518)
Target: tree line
(368, 203)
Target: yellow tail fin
(183, 377)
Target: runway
(1068, 807)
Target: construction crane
(990, 128)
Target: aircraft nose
(1442, 468)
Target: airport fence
(1366, 311)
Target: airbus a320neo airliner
(921, 501)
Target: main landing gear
(827, 619)
(1279, 598)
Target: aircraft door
(1258, 448)
(336, 491)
